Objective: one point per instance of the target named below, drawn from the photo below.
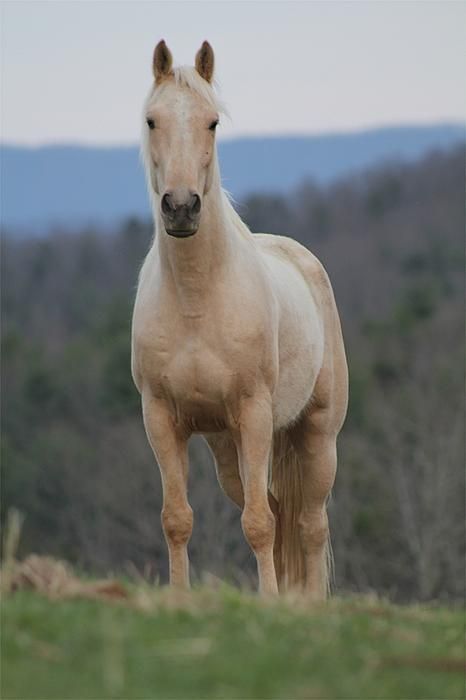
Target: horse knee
(177, 525)
(259, 528)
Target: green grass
(226, 644)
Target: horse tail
(287, 492)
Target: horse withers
(236, 336)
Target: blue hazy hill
(74, 185)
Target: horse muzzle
(181, 214)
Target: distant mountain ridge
(72, 185)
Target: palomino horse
(235, 336)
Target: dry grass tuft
(56, 580)
(50, 577)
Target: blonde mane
(188, 77)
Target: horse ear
(162, 62)
(205, 61)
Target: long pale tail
(287, 491)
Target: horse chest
(195, 373)
(195, 380)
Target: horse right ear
(163, 61)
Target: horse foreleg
(170, 449)
(254, 440)
(227, 467)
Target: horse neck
(192, 265)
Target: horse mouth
(179, 233)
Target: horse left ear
(205, 61)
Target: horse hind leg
(226, 464)
(304, 469)
(315, 444)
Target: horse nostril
(167, 203)
(178, 204)
(195, 205)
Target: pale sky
(78, 71)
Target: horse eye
(213, 126)
(150, 123)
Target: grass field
(226, 644)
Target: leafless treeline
(75, 458)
